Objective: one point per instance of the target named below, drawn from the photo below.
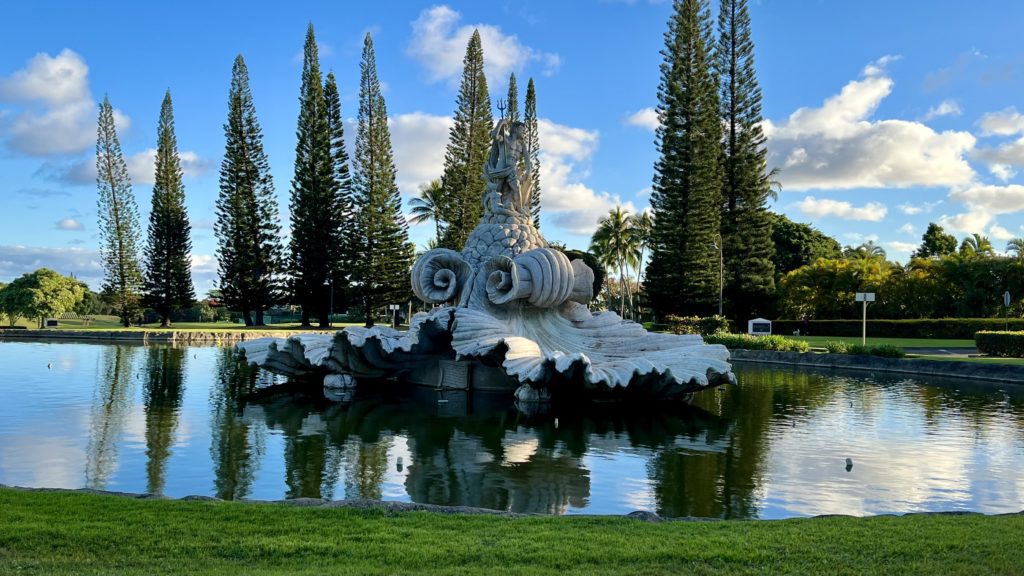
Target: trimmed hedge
(1005, 344)
(883, 350)
(697, 324)
(748, 342)
(951, 328)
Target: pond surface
(180, 421)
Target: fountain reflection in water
(188, 421)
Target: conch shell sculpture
(508, 302)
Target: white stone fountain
(513, 315)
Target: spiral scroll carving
(543, 277)
(441, 276)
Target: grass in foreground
(67, 533)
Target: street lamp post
(717, 245)
(329, 284)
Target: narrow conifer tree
(118, 220)
(533, 139)
(168, 280)
(512, 112)
(683, 275)
(315, 226)
(385, 254)
(247, 228)
(344, 245)
(746, 223)
(469, 143)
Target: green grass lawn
(819, 341)
(68, 533)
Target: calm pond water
(181, 421)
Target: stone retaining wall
(146, 336)
(966, 370)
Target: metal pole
(864, 329)
(330, 309)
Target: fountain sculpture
(511, 314)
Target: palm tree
(428, 206)
(977, 245)
(866, 251)
(643, 225)
(615, 244)
(1016, 245)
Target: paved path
(949, 352)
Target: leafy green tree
(469, 143)
(168, 278)
(247, 227)
(118, 220)
(798, 245)
(827, 287)
(533, 140)
(746, 182)
(344, 248)
(427, 207)
(617, 246)
(40, 295)
(935, 243)
(643, 225)
(315, 226)
(682, 277)
(382, 274)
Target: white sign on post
(865, 297)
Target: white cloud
(141, 168)
(991, 199)
(914, 209)
(839, 146)
(1006, 122)
(69, 224)
(571, 204)
(909, 229)
(438, 43)
(55, 112)
(858, 237)
(419, 142)
(1001, 160)
(18, 260)
(944, 108)
(966, 222)
(999, 233)
(904, 247)
(644, 118)
(872, 211)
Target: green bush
(1006, 344)
(748, 342)
(887, 351)
(697, 325)
(836, 347)
(953, 328)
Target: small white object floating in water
(513, 316)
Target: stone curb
(1003, 373)
(402, 507)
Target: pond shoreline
(146, 335)
(1002, 373)
(392, 506)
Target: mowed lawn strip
(819, 341)
(74, 533)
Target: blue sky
(882, 116)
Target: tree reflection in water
(112, 401)
(163, 389)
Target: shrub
(887, 351)
(1006, 344)
(958, 328)
(748, 342)
(697, 325)
(836, 347)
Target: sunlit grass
(67, 533)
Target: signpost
(865, 297)
(1006, 310)
(394, 308)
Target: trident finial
(502, 107)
